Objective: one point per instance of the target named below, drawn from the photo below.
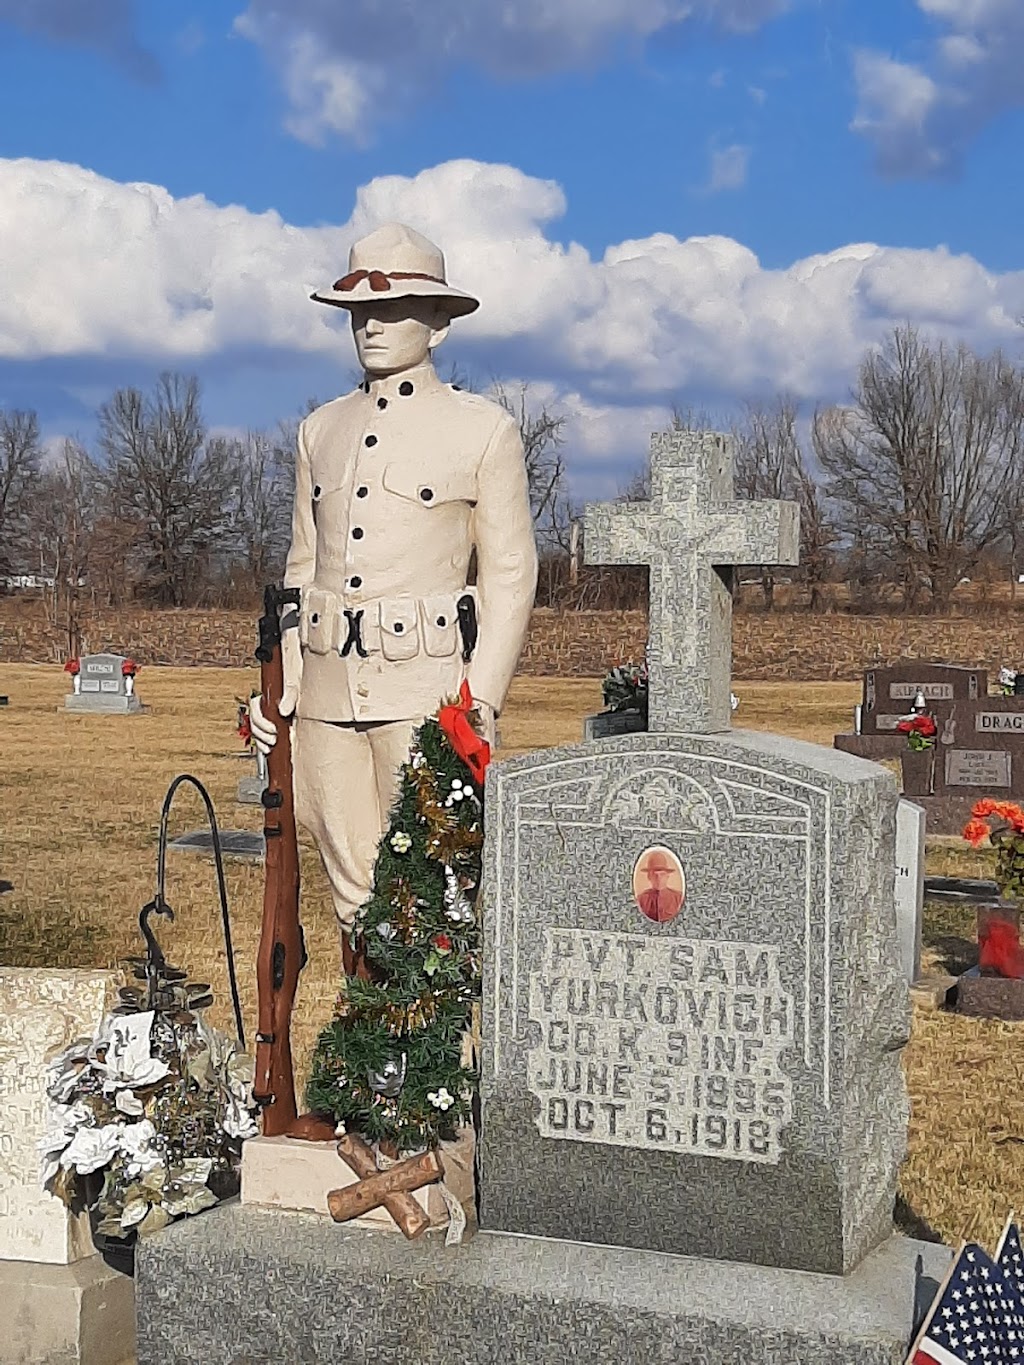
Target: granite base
(269, 1288)
(80, 1314)
(989, 997)
(250, 791)
(99, 705)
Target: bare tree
(542, 433)
(171, 482)
(921, 461)
(264, 474)
(63, 526)
(769, 463)
(20, 455)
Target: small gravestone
(911, 825)
(234, 843)
(251, 788)
(102, 687)
(53, 1309)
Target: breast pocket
(419, 487)
(399, 628)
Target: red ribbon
(454, 721)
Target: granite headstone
(103, 687)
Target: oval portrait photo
(659, 884)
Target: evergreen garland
(390, 1065)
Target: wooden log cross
(392, 1187)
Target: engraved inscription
(933, 691)
(90, 684)
(92, 667)
(977, 768)
(886, 722)
(989, 721)
(661, 1044)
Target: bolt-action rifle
(282, 952)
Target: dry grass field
(79, 806)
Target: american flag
(1010, 1255)
(978, 1316)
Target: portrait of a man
(659, 884)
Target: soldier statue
(396, 485)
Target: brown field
(79, 804)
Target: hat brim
(459, 304)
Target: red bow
(379, 282)
(454, 721)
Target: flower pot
(918, 772)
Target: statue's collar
(404, 385)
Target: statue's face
(392, 335)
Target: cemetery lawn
(79, 808)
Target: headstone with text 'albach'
(694, 1001)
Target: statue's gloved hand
(264, 731)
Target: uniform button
(405, 388)
(355, 581)
(382, 403)
(441, 621)
(315, 617)
(357, 533)
(426, 494)
(316, 490)
(399, 627)
(362, 491)
(371, 440)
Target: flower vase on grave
(129, 684)
(261, 767)
(76, 684)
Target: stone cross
(691, 533)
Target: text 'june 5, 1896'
(663, 1044)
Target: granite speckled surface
(785, 845)
(241, 1286)
(691, 533)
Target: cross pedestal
(691, 533)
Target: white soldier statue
(396, 485)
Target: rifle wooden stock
(282, 952)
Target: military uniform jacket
(394, 486)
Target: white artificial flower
(129, 1060)
(400, 841)
(92, 1148)
(238, 1121)
(456, 783)
(441, 1099)
(65, 1120)
(129, 1103)
(135, 1142)
(134, 1212)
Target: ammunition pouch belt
(398, 628)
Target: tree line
(911, 486)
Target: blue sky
(659, 201)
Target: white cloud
(922, 117)
(107, 25)
(729, 167)
(121, 273)
(346, 68)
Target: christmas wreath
(393, 1064)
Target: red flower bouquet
(919, 730)
(243, 724)
(73, 667)
(129, 668)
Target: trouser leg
(346, 779)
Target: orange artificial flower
(975, 832)
(986, 806)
